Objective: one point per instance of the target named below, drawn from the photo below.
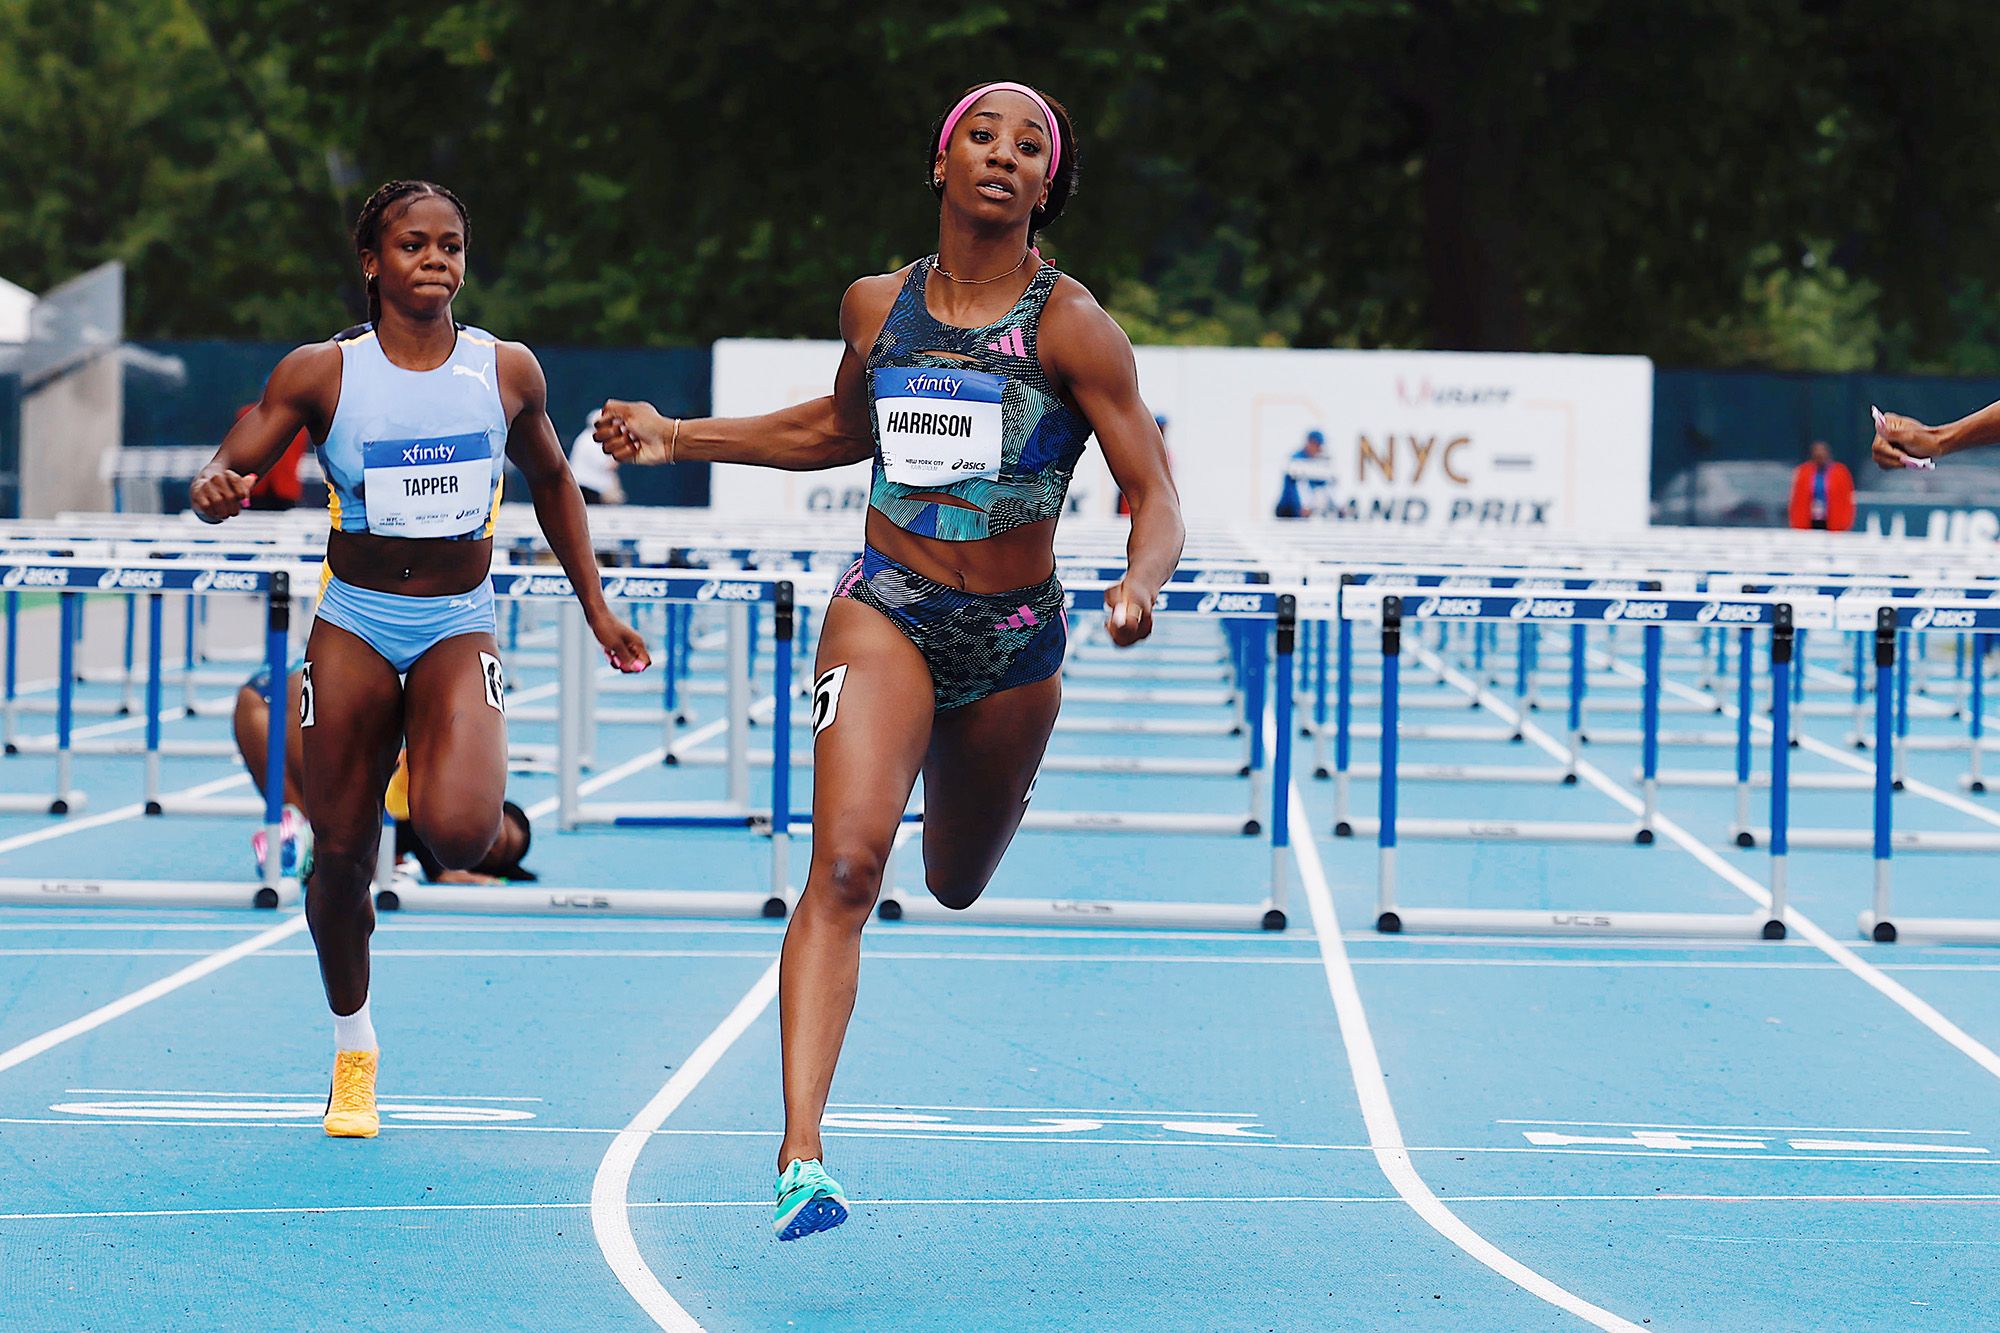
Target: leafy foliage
(1736, 182)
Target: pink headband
(965, 103)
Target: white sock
(355, 1031)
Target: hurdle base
(1497, 830)
(147, 893)
(535, 900)
(1505, 921)
(896, 906)
(1930, 930)
(1900, 840)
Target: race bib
(937, 427)
(428, 488)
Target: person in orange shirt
(1822, 492)
(279, 487)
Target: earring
(937, 182)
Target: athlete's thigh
(983, 760)
(871, 711)
(455, 724)
(350, 712)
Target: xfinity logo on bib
(20, 577)
(717, 591)
(1718, 613)
(131, 578)
(943, 384)
(428, 453)
(222, 580)
(1932, 617)
(1627, 610)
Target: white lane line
(406, 1096)
(1742, 1156)
(1767, 1129)
(122, 813)
(609, 1208)
(146, 994)
(1039, 1110)
(1089, 1201)
(1895, 992)
(1385, 1134)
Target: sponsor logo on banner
(1542, 608)
(1938, 617)
(1726, 613)
(545, 585)
(1224, 603)
(715, 590)
(1448, 606)
(21, 576)
(1424, 394)
(225, 580)
(131, 578)
(638, 589)
(1625, 609)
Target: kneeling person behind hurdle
(253, 723)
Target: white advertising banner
(1443, 441)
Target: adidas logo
(1010, 344)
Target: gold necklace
(981, 282)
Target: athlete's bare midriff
(1017, 558)
(411, 566)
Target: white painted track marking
(146, 994)
(309, 1210)
(1385, 1133)
(609, 1207)
(1896, 993)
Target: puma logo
(479, 374)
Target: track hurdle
(1894, 624)
(1653, 612)
(275, 585)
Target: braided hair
(1060, 188)
(368, 224)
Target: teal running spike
(809, 1200)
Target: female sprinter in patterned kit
(973, 378)
(413, 416)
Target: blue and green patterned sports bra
(968, 413)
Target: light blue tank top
(416, 453)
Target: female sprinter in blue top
(973, 378)
(414, 417)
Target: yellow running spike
(350, 1102)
